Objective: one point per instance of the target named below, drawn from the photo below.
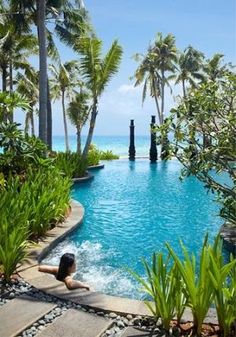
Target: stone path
(21, 312)
(133, 332)
(76, 323)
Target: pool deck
(89, 299)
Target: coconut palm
(164, 52)
(147, 74)
(190, 64)
(27, 86)
(214, 69)
(96, 71)
(63, 84)
(78, 112)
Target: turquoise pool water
(131, 210)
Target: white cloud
(128, 88)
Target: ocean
(117, 144)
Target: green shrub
(41, 200)
(20, 152)
(47, 196)
(93, 156)
(108, 155)
(174, 284)
(14, 232)
(223, 278)
(163, 286)
(71, 164)
(198, 288)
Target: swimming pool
(131, 210)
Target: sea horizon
(118, 144)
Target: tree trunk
(32, 122)
(162, 94)
(4, 79)
(41, 10)
(65, 121)
(4, 89)
(157, 103)
(78, 140)
(184, 89)
(27, 117)
(49, 118)
(91, 130)
(11, 117)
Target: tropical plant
(19, 152)
(14, 230)
(197, 284)
(63, 84)
(224, 284)
(190, 64)
(27, 86)
(209, 110)
(14, 50)
(47, 196)
(93, 155)
(108, 155)
(156, 70)
(78, 112)
(162, 285)
(214, 69)
(96, 71)
(71, 164)
(9, 102)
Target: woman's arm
(48, 269)
(74, 284)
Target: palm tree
(63, 84)
(214, 69)
(190, 64)
(147, 73)
(41, 17)
(27, 87)
(96, 71)
(78, 112)
(155, 71)
(165, 54)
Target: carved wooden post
(153, 148)
(131, 142)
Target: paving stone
(20, 313)
(133, 332)
(76, 323)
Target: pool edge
(96, 300)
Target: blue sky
(208, 25)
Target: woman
(63, 273)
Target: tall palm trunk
(156, 101)
(4, 79)
(4, 89)
(64, 120)
(162, 94)
(27, 118)
(32, 122)
(11, 117)
(41, 10)
(91, 130)
(184, 89)
(78, 139)
(49, 118)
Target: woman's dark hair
(66, 262)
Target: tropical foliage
(96, 71)
(174, 284)
(204, 138)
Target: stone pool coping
(89, 299)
